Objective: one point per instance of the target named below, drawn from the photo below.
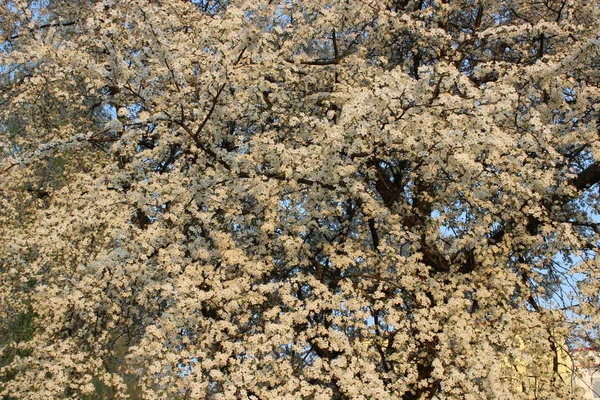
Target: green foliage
(15, 327)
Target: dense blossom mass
(345, 199)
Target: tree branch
(587, 178)
(45, 26)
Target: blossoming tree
(345, 199)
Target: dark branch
(587, 178)
(319, 61)
(45, 26)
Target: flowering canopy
(387, 199)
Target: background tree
(384, 199)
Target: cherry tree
(297, 199)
